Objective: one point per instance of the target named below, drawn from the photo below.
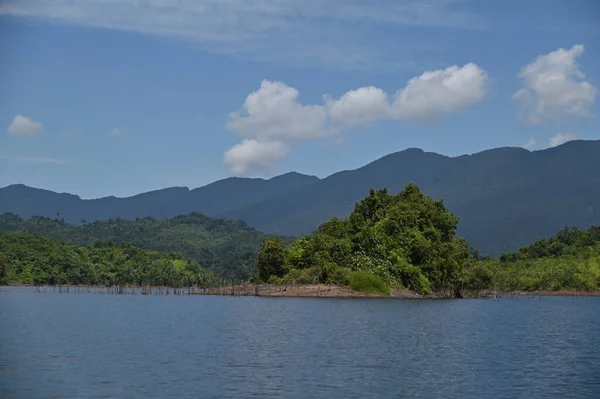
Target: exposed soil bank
(332, 291)
(299, 291)
(313, 290)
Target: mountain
(213, 199)
(227, 248)
(505, 198)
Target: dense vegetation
(42, 261)
(408, 241)
(404, 240)
(568, 261)
(228, 248)
(505, 198)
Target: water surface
(126, 346)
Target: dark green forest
(34, 260)
(568, 261)
(227, 248)
(408, 241)
(390, 241)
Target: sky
(106, 97)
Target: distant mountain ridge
(505, 197)
(215, 198)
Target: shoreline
(332, 291)
(298, 291)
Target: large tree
(407, 238)
(271, 259)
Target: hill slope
(28, 259)
(505, 198)
(225, 247)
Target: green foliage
(480, 276)
(569, 272)
(364, 281)
(406, 239)
(42, 261)
(568, 261)
(271, 259)
(566, 242)
(228, 248)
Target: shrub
(364, 281)
(340, 276)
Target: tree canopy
(226, 247)
(42, 261)
(407, 239)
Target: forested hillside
(505, 198)
(41, 261)
(390, 241)
(408, 241)
(570, 260)
(227, 248)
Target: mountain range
(505, 198)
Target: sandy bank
(299, 291)
(306, 291)
(332, 291)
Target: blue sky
(102, 98)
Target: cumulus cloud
(272, 117)
(362, 105)
(274, 113)
(562, 138)
(555, 87)
(254, 155)
(442, 92)
(24, 126)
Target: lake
(130, 346)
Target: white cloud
(272, 118)
(338, 33)
(24, 126)
(530, 145)
(562, 138)
(116, 132)
(253, 155)
(362, 105)
(274, 113)
(442, 92)
(555, 87)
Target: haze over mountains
(505, 198)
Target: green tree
(38, 260)
(271, 259)
(407, 239)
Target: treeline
(227, 248)
(390, 241)
(408, 241)
(568, 261)
(41, 261)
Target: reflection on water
(122, 346)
